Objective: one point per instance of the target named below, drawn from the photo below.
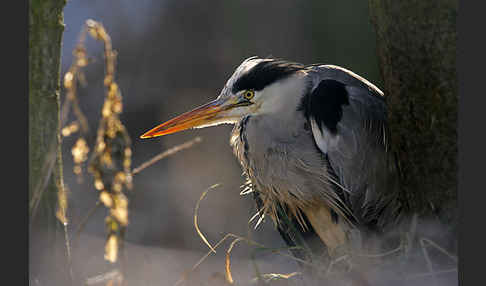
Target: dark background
(173, 56)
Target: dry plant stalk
(238, 238)
(110, 161)
(71, 79)
(196, 226)
(114, 277)
(228, 276)
(275, 276)
(104, 197)
(325, 269)
(167, 153)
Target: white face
(277, 97)
(270, 88)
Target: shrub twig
(166, 153)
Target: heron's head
(258, 86)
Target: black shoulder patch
(325, 103)
(265, 73)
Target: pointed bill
(200, 116)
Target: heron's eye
(248, 94)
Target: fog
(173, 56)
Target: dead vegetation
(109, 162)
(110, 158)
(358, 267)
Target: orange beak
(203, 115)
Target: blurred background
(173, 56)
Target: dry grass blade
(279, 251)
(61, 215)
(187, 273)
(275, 276)
(167, 153)
(420, 275)
(85, 219)
(436, 246)
(43, 181)
(429, 262)
(378, 255)
(68, 252)
(62, 202)
(343, 258)
(239, 238)
(229, 277)
(109, 277)
(195, 217)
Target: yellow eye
(248, 94)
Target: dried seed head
(65, 131)
(120, 210)
(106, 112)
(117, 106)
(110, 131)
(108, 80)
(101, 146)
(120, 177)
(80, 151)
(111, 248)
(70, 129)
(106, 199)
(82, 62)
(113, 90)
(111, 224)
(117, 187)
(121, 215)
(94, 29)
(79, 51)
(106, 159)
(68, 80)
(126, 163)
(121, 201)
(99, 185)
(128, 182)
(77, 170)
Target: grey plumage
(313, 142)
(280, 157)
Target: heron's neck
(279, 116)
(283, 97)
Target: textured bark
(416, 45)
(45, 34)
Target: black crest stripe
(265, 73)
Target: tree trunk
(416, 45)
(45, 165)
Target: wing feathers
(347, 115)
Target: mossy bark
(416, 46)
(45, 34)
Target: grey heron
(313, 143)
